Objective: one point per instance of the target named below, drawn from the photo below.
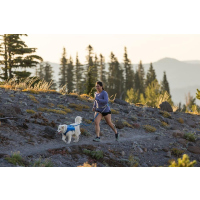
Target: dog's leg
(69, 138)
(63, 138)
(77, 138)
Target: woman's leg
(109, 122)
(97, 121)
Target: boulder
(177, 133)
(119, 124)
(49, 132)
(165, 106)
(190, 123)
(194, 149)
(182, 141)
(121, 102)
(10, 110)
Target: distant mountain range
(183, 76)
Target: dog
(73, 130)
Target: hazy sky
(145, 47)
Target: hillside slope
(33, 134)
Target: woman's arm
(105, 98)
(94, 105)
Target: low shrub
(94, 154)
(134, 118)
(184, 162)
(125, 123)
(180, 120)
(16, 159)
(164, 124)
(165, 114)
(177, 152)
(30, 111)
(65, 108)
(86, 164)
(190, 136)
(33, 98)
(84, 132)
(78, 107)
(133, 161)
(40, 163)
(135, 125)
(114, 111)
(51, 105)
(53, 111)
(149, 128)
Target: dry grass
(84, 132)
(164, 124)
(180, 120)
(30, 111)
(65, 108)
(85, 98)
(28, 85)
(165, 114)
(149, 128)
(33, 98)
(78, 107)
(53, 111)
(125, 123)
(51, 105)
(112, 100)
(114, 111)
(162, 98)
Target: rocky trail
(148, 136)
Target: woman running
(102, 109)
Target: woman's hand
(93, 109)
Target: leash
(94, 117)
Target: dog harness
(69, 128)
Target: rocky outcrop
(165, 106)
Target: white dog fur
(69, 134)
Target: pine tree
(4, 54)
(115, 77)
(129, 73)
(132, 96)
(90, 77)
(165, 84)
(48, 75)
(96, 67)
(141, 74)
(40, 74)
(102, 72)
(78, 76)
(137, 82)
(17, 55)
(151, 75)
(70, 75)
(63, 69)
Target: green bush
(39, 163)
(16, 159)
(190, 136)
(177, 152)
(94, 154)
